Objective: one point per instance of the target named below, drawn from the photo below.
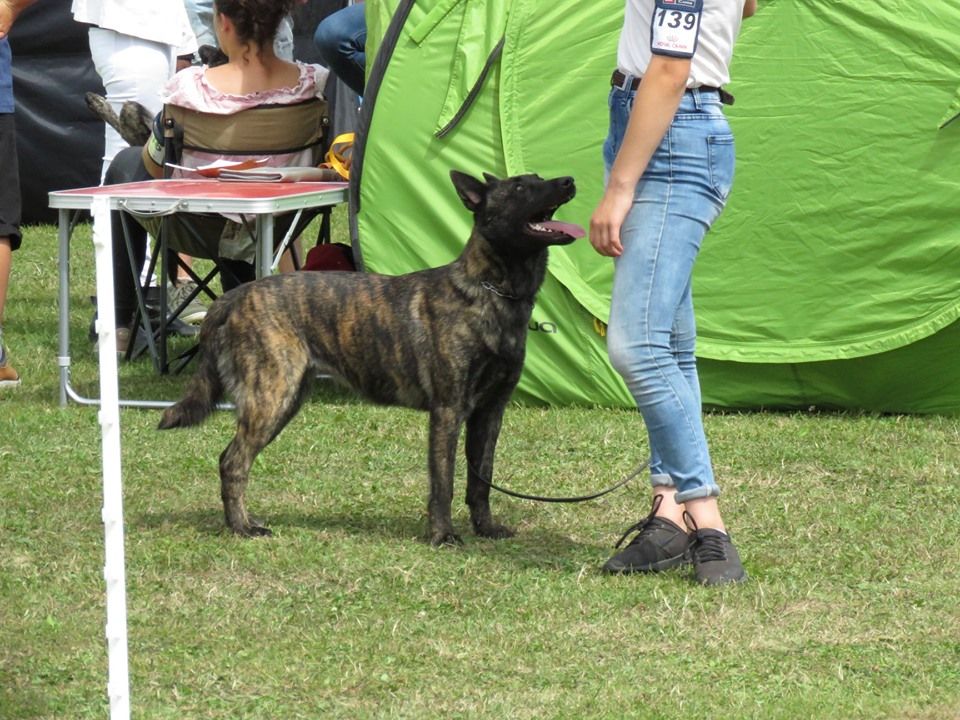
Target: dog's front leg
(483, 429)
(444, 433)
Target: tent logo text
(545, 327)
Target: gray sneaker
(715, 559)
(195, 311)
(660, 544)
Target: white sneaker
(9, 378)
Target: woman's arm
(749, 8)
(654, 106)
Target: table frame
(262, 200)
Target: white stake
(114, 572)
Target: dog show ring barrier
(263, 200)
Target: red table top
(206, 188)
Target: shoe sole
(10, 383)
(713, 582)
(659, 566)
(194, 318)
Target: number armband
(675, 27)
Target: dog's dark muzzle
(567, 186)
(554, 232)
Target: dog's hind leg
(261, 415)
(483, 429)
(444, 433)
(235, 463)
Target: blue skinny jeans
(651, 337)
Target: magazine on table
(280, 174)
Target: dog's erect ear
(470, 190)
(490, 178)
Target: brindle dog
(449, 340)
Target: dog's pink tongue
(570, 229)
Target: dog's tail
(205, 388)
(203, 392)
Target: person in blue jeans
(341, 39)
(669, 158)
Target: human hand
(9, 9)
(7, 16)
(607, 219)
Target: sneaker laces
(707, 547)
(640, 526)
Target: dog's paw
(253, 530)
(445, 538)
(494, 531)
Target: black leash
(579, 498)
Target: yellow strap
(339, 154)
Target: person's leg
(6, 261)
(660, 245)
(9, 230)
(651, 340)
(661, 240)
(130, 69)
(341, 39)
(237, 273)
(704, 511)
(126, 166)
(200, 14)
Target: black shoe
(659, 544)
(715, 559)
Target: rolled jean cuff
(661, 480)
(697, 493)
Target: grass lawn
(847, 524)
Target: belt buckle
(627, 84)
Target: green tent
(831, 279)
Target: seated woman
(253, 76)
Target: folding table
(261, 200)
(157, 197)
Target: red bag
(329, 256)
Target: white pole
(118, 680)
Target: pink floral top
(189, 89)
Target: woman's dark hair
(257, 21)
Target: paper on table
(217, 166)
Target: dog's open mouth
(555, 231)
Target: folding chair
(297, 132)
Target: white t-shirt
(704, 30)
(161, 21)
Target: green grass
(847, 524)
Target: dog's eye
(519, 187)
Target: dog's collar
(497, 291)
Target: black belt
(618, 79)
